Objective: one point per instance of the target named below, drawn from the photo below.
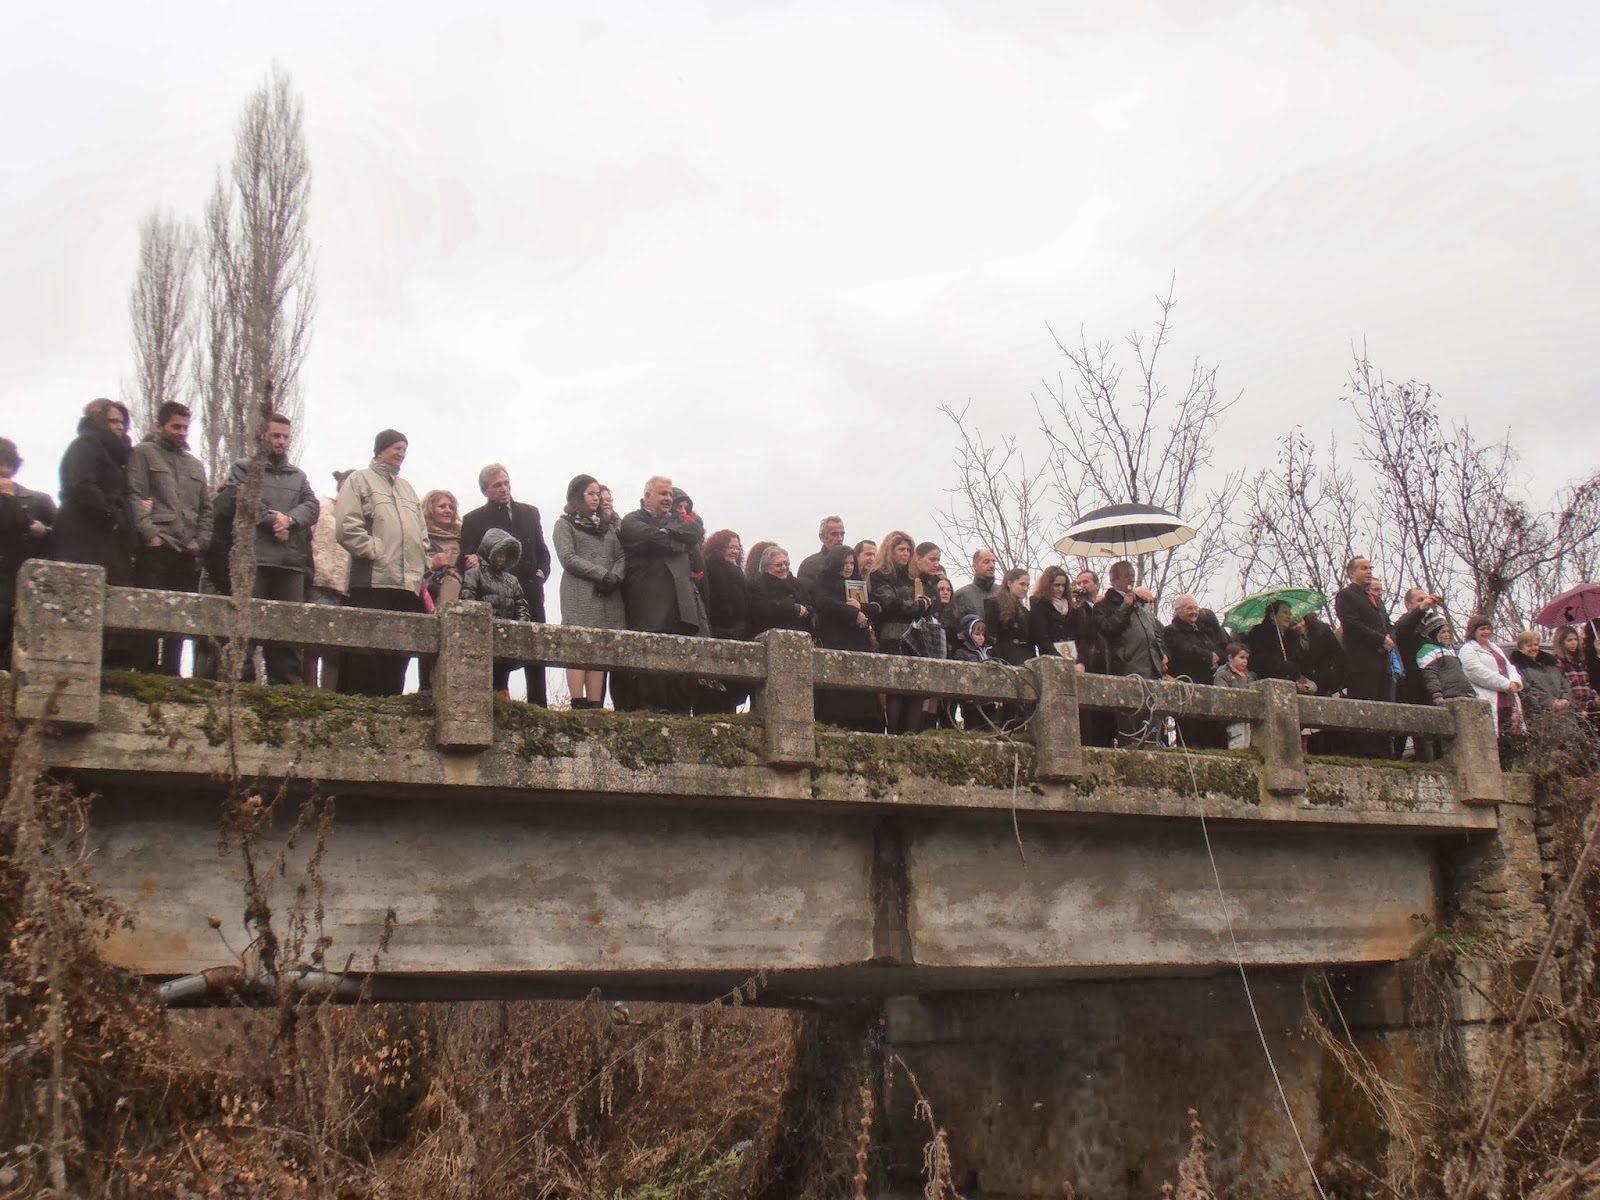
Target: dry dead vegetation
(103, 1093)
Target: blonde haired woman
(441, 516)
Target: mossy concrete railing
(65, 610)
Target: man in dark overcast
(830, 532)
(521, 521)
(970, 598)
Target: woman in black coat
(892, 588)
(1006, 615)
(777, 601)
(1276, 650)
(728, 602)
(95, 524)
(727, 615)
(844, 623)
(1049, 612)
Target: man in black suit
(1368, 639)
(521, 521)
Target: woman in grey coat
(590, 553)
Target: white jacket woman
(1489, 669)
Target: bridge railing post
(1473, 753)
(1277, 737)
(57, 646)
(463, 677)
(1057, 739)
(785, 700)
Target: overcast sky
(754, 246)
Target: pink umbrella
(1573, 607)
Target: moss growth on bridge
(1232, 773)
(272, 715)
(948, 757)
(635, 740)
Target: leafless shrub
(1193, 1183)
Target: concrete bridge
(527, 852)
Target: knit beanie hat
(386, 439)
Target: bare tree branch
(1306, 519)
(1456, 508)
(1112, 444)
(996, 501)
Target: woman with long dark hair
(1049, 610)
(1006, 615)
(844, 623)
(592, 570)
(899, 602)
(1568, 648)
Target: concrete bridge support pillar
(463, 677)
(57, 646)
(784, 701)
(1474, 753)
(1283, 768)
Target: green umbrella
(1252, 610)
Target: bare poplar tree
(160, 310)
(1141, 443)
(216, 361)
(259, 281)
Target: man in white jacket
(380, 523)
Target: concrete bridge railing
(65, 610)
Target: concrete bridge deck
(528, 852)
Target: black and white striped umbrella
(1124, 530)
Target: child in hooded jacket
(972, 645)
(492, 581)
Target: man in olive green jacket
(172, 515)
(379, 521)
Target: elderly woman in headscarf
(441, 516)
(592, 569)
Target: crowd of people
(149, 516)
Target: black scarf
(589, 523)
